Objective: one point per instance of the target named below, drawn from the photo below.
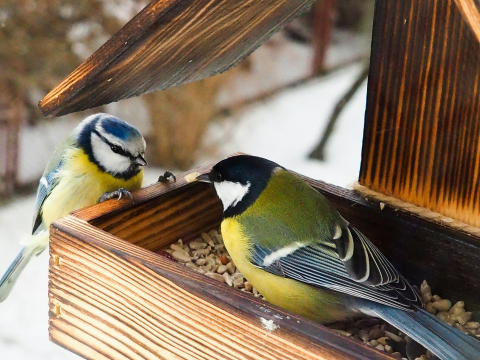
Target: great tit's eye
(116, 149)
(219, 177)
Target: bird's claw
(117, 194)
(164, 178)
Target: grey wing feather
(321, 265)
(11, 275)
(49, 180)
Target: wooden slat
(179, 214)
(170, 42)
(160, 214)
(422, 129)
(147, 193)
(114, 299)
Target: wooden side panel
(162, 213)
(170, 42)
(110, 299)
(422, 129)
(180, 214)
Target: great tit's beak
(204, 178)
(140, 160)
(196, 176)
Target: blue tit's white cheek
(109, 160)
(231, 193)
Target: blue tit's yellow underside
(82, 184)
(292, 295)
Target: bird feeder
(112, 297)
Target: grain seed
(208, 239)
(227, 279)
(221, 269)
(442, 305)
(181, 256)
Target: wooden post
(323, 12)
(11, 118)
(422, 126)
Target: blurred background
(298, 100)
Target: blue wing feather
(50, 178)
(45, 187)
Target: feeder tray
(112, 297)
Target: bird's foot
(164, 178)
(117, 194)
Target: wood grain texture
(161, 212)
(110, 299)
(170, 42)
(179, 214)
(142, 195)
(422, 129)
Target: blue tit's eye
(116, 149)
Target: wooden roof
(170, 42)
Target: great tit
(301, 254)
(102, 158)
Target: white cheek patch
(280, 253)
(231, 193)
(112, 162)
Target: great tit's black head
(112, 144)
(239, 181)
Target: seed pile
(207, 255)
(453, 315)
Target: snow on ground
(287, 127)
(283, 129)
(281, 61)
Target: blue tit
(302, 255)
(103, 157)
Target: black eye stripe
(115, 148)
(118, 149)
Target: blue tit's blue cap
(119, 128)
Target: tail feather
(34, 245)
(440, 338)
(12, 273)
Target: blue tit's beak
(140, 160)
(204, 178)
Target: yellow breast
(313, 303)
(81, 184)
